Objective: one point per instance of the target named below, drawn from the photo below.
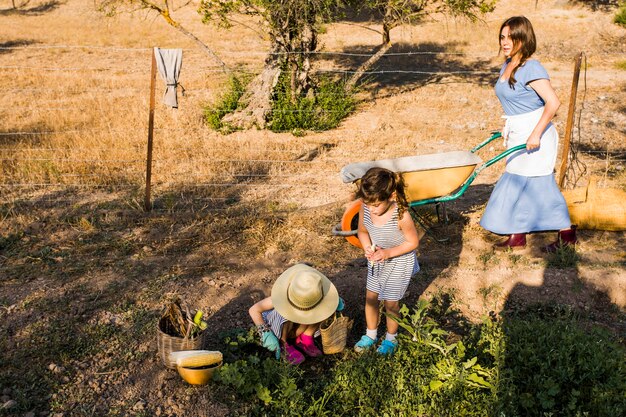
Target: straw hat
(304, 295)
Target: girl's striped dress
(390, 278)
(276, 322)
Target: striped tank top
(390, 278)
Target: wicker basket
(597, 208)
(335, 333)
(167, 344)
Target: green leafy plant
(487, 257)
(555, 365)
(564, 257)
(620, 16)
(537, 362)
(322, 111)
(226, 104)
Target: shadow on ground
(21, 8)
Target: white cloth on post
(169, 62)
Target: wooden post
(147, 203)
(570, 121)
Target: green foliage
(7, 242)
(487, 257)
(620, 16)
(226, 104)
(621, 65)
(330, 104)
(280, 17)
(564, 257)
(554, 366)
(397, 12)
(536, 363)
(427, 376)
(260, 381)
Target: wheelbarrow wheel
(349, 224)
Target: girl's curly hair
(379, 184)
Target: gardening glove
(341, 305)
(270, 342)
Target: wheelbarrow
(430, 179)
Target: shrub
(324, 110)
(554, 366)
(226, 104)
(620, 17)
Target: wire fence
(75, 134)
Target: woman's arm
(258, 308)
(546, 92)
(407, 227)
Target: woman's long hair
(379, 184)
(522, 34)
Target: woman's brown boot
(515, 241)
(564, 238)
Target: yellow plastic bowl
(198, 376)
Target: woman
(527, 198)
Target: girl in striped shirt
(390, 238)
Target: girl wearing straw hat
(289, 319)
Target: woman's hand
(533, 142)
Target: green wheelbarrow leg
(440, 208)
(427, 225)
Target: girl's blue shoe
(387, 347)
(365, 343)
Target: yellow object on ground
(597, 208)
(196, 358)
(198, 376)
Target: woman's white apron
(535, 163)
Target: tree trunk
(367, 65)
(257, 97)
(293, 79)
(308, 45)
(382, 50)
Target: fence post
(570, 121)
(147, 203)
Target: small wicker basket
(334, 332)
(176, 320)
(167, 344)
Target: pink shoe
(306, 345)
(292, 355)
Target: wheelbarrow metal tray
(425, 176)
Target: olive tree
(291, 27)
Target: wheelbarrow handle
(494, 135)
(467, 182)
(343, 233)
